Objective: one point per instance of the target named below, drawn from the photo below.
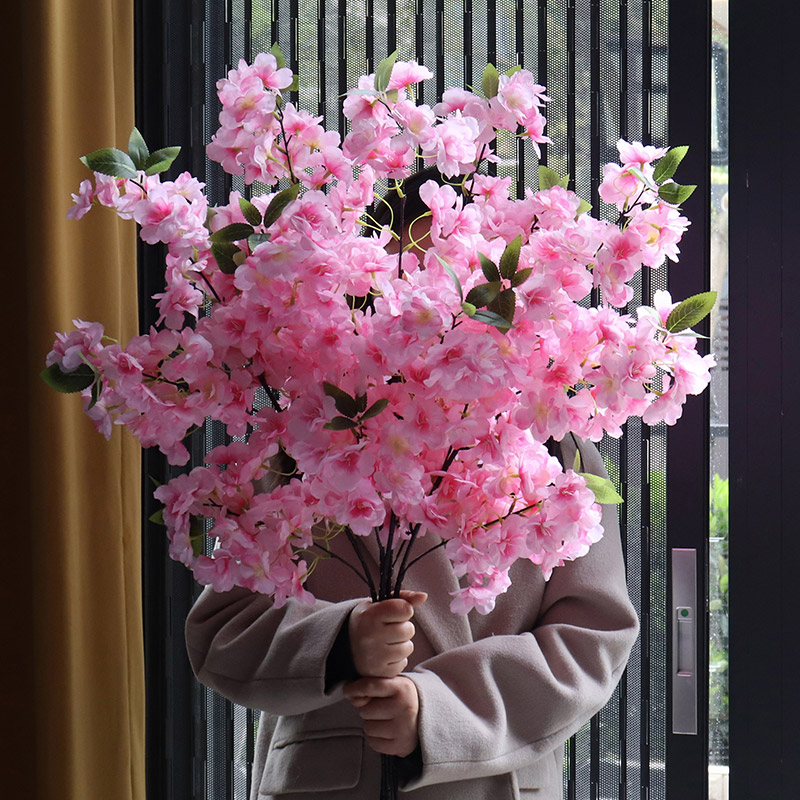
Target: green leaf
(340, 424)
(110, 161)
(675, 194)
(504, 305)
(361, 403)
(489, 268)
(250, 212)
(279, 202)
(453, 275)
(294, 85)
(469, 309)
(234, 232)
(490, 82)
(197, 535)
(223, 253)
(256, 239)
(161, 160)
(691, 311)
(384, 72)
(484, 293)
(576, 462)
(375, 408)
(155, 481)
(137, 149)
(667, 166)
(604, 491)
(521, 276)
(512, 70)
(345, 404)
(490, 318)
(509, 261)
(279, 57)
(157, 517)
(68, 382)
(548, 178)
(583, 208)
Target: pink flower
(363, 510)
(619, 187)
(181, 297)
(416, 120)
(245, 102)
(520, 94)
(452, 144)
(364, 107)
(637, 154)
(662, 302)
(107, 190)
(82, 201)
(266, 67)
(406, 73)
(73, 349)
(345, 467)
(219, 572)
(481, 596)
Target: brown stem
(342, 560)
(273, 397)
(208, 283)
(357, 545)
(401, 573)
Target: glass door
(718, 694)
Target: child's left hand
(390, 710)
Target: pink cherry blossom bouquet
(410, 387)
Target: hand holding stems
(380, 640)
(381, 633)
(390, 709)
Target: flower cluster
(408, 392)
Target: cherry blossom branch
(210, 286)
(387, 562)
(161, 379)
(292, 177)
(345, 562)
(448, 461)
(401, 573)
(273, 397)
(422, 555)
(357, 545)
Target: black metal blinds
(604, 64)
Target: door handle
(684, 641)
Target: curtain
(71, 588)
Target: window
(606, 65)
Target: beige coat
(499, 694)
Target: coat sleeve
(262, 657)
(498, 704)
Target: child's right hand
(381, 633)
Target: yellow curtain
(71, 590)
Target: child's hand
(390, 710)
(381, 633)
